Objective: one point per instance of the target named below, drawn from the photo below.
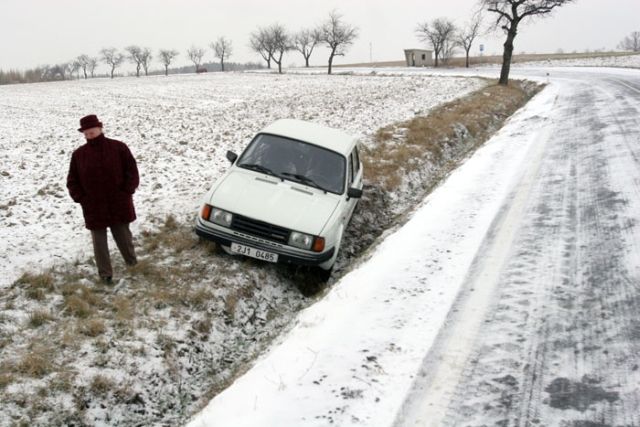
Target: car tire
(324, 275)
(226, 249)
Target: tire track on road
(437, 381)
(559, 345)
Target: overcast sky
(37, 32)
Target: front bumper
(286, 254)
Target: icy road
(511, 297)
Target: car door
(354, 171)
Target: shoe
(107, 280)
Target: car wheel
(324, 275)
(226, 249)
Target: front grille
(259, 228)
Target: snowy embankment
(179, 129)
(352, 357)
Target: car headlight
(217, 216)
(300, 240)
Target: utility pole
(370, 53)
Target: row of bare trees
(140, 56)
(222, 50)
(443, 36)
(44, 73)
(273, 41)
(631, 42)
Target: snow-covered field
(179, 129)
(627, 61)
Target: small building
(418, 57)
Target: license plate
(253, 252)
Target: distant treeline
(271, 43)
(53, 73)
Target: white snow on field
(352, 357)
(179, 129)
(627, 61)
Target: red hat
(88, 122)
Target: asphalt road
(546, 331)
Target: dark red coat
(103, 177)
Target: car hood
(266, 198)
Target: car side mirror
(232, 156)
(354, 193)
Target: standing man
(103, 177)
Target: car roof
(316, 134)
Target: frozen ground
(179, 129)
(510, 298)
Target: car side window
(356, 160)
(351, 174)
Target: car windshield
(295, 161)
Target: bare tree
(261, 42)
(281, 42)
(83, 60)
(74, 67)
(61, 70)
(92, 64)
(631, 42)
(112, 57)
(338, 36)
(467, 35)
(222, 49)
(195, 55)
(305, 41)
(448, 49)
(135, 56)
(439, 34)
(509, 15)
(166, 56)
(145, 59)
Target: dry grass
(68, 336)
(101, 385)
(165, 343)
(202, 326)
(76, 306)
(36, 285)
(36, 362)
(81, 301)
(6, 378)
(63, 381)
(169, 236)
(198, 298)
(426, 138)
(122, 308)
(92, 327)
(39, 317)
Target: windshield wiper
(258, 168)
(304, 180)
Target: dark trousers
(122, 235)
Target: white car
(288, 197)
